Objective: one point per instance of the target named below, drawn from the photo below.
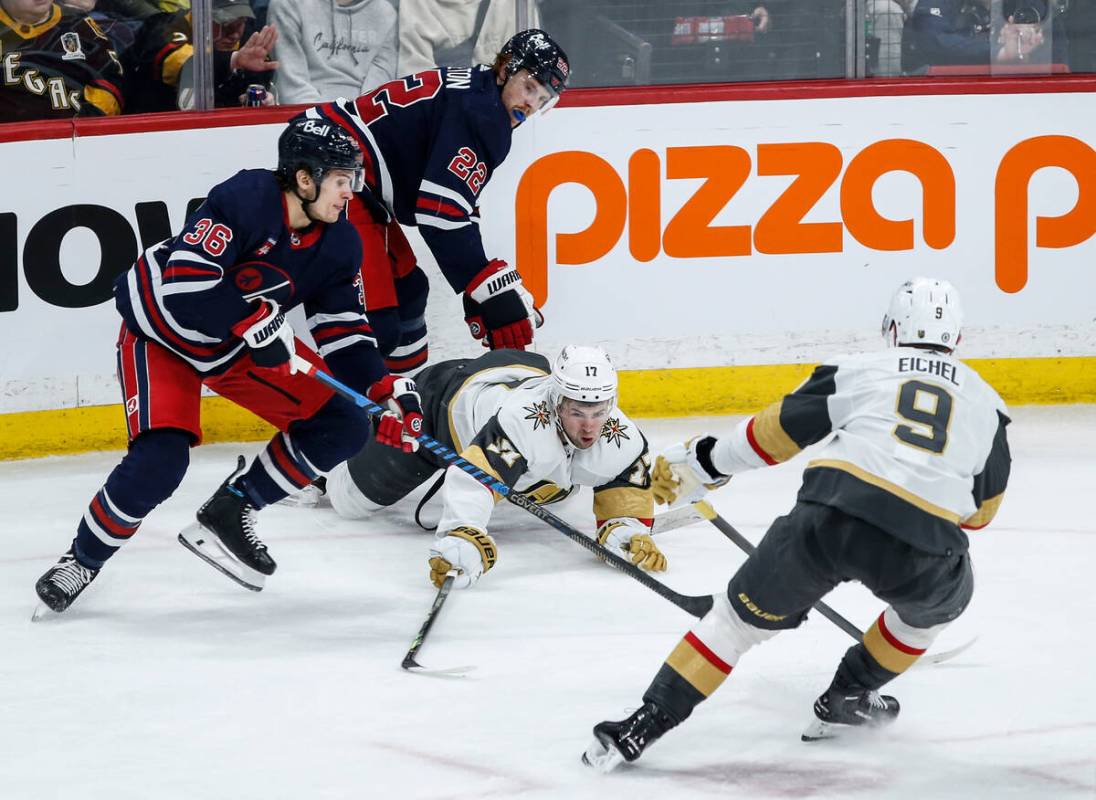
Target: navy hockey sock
(293, 460)
(278, 471)
(148, 475)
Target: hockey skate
(617, 742)
(224, 536)
(837, 710)
(63, 582)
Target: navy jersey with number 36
(188, 291)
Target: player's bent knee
(158, 460)
(725, 633)
(895, 644)
(346, 498)
(333, 434)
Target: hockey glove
(685, 472)
(498, 309)
(468, 550)
(634, 538)
(401, 425)
(270, 337)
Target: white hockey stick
(676, 518)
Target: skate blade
(818, 730)
(602, 757)
(208, 548)
(42, 612)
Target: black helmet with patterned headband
(535, 51)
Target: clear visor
(535, 94)
(354, 177)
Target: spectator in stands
(948, 32)
(260, 7)
(1079, 22)
(341, 48)
(56, 64)
(455, 33)
(160, 64)
(884, 23)
(113, 18)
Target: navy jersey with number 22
(431, 142)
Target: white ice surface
(167, 681)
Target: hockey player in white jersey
(919, 452)
(540, 430)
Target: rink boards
(716, 244)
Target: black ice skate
(839, 709)
(224, 536)
(63, 582)
(616, 742)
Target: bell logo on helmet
(312, 126)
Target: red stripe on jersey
(436, 206)
(286, 464)
(405, 363)
(709, 656)
(104, 519)
(892, 640)
(756, 447)
(159, 323)
(189, 272)
(170, 47)
(337, 331)
(109, 87)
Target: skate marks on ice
(737, 777)
(490, 780)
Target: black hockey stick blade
(409, 663)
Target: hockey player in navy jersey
(432, 141)
(919, 453)
(207, 307)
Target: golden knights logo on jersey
(613, 431)
(539, 414)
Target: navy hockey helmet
(535, 51)
(317, 145)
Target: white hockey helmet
(924, 311)
(583, 373)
